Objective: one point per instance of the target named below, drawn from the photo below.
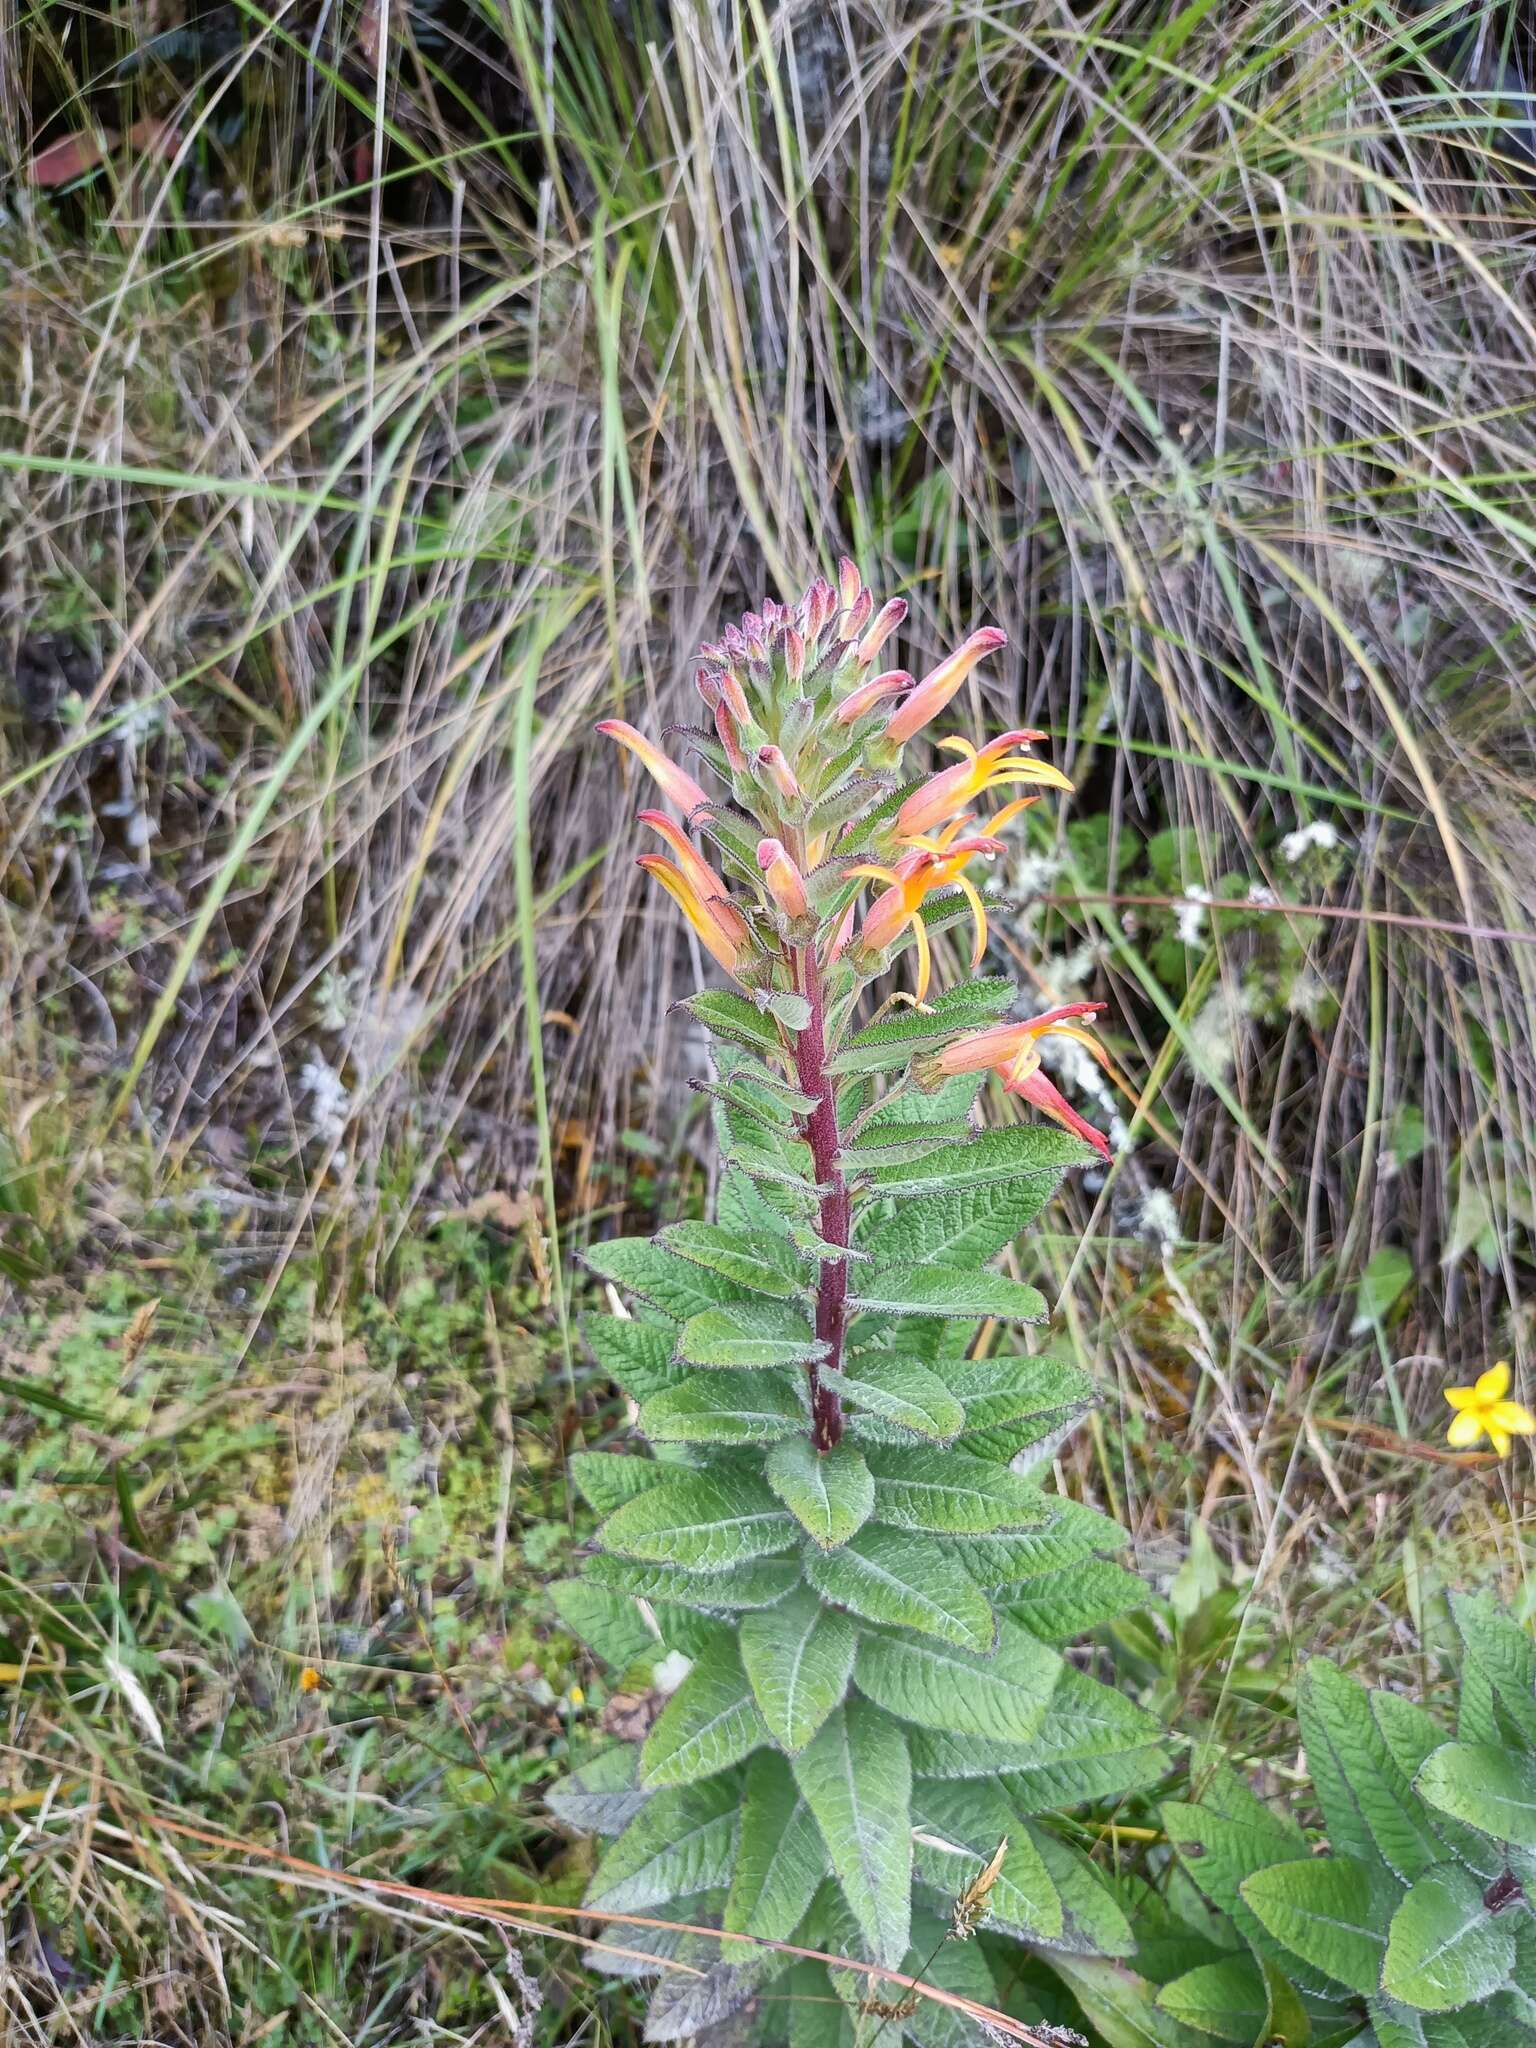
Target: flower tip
(782, 878)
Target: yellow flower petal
(1499, 1438)
(924, 955)
(1493, 1385)
(1461, 1397)
(1512, 1416)
(1465, 1430)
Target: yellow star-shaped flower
(1482, 1410)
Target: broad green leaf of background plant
(1486, 1788)
(1332, 1911)
(1444, 1948)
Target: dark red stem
(822, 1135)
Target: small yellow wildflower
(310, 1679)
(577, 1697)
(1481, 1410)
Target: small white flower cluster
(1189, 915)
(1159, 1219)
(1213, 1034)
(670, 1671)
(1319, 833)
(330, 1099)
(1306, 997)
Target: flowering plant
(835, 1536)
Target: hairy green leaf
(1368, 1804)
(1062, 1542)
(906, 1581)
(636, 1356)
(600, 1797)
(944, 1291)
(893, 1041)
(1229, 2000)
(681, 1842)
(1059, 1605)
(1498, 1672)
(749, 1336)
(1011, 1403)
(741, 1204)
(1092, 1741)
(1332, 1911)
(893, 1144)
(965, 1227)
(829, 1493)
(607, 1479)
(799, 1656)
(858, 1783)
(731, 1017)
(756, 1260)
(611, 1625)
(706, 1523)
(1487, 1788)
(757, 1584)
(999, 1155)
(938, 1685)
(948, 1492)
(725, 1408)
(1444, 1948)
(675, 1285)
(781, 1859)
(902, 1392)
(1094, 1924)
(710, 1722)
(959, 1825)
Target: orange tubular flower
(778, 771)
(782, 878)
(697, 872)
(720, 925)
(881, 627)
(1012, 1051)
(953, 790)
(675, 782)
(940, 684)
(932, 864)
(858, 701)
